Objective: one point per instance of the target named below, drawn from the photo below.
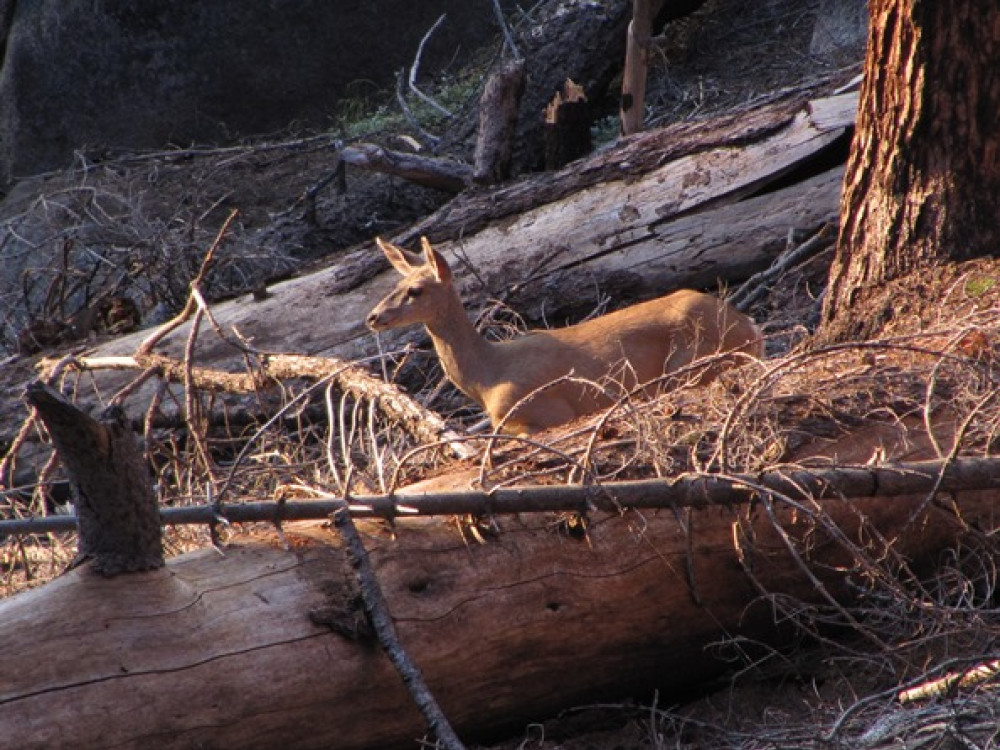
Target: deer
(549, 377)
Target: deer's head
(424, 295)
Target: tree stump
(117, 513)
(498, 109)
(567, 126)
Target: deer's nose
(372, 320)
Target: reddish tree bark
(923, 180)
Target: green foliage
(365, 109)
(605, 130)
(978, 286)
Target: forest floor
(826, 691)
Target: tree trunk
(923, 180)
(263, 646)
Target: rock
(840, 32)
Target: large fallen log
(263, 645)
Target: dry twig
(378, 613)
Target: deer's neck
(467, 358)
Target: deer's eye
(414, 291)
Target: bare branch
(415, 68)
(440, 173)
(695, 491)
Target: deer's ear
(400, 259)
(436, 261)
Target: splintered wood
(567, 126)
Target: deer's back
(628, 347)
(653, 336)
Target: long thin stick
(760, 283)
(415, 68)
(700, 491)
(385, 629)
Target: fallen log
(259, 645)
(442, 174)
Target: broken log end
(117, 514)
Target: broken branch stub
(498, 110)
(117, 514)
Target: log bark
(260, 645)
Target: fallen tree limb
(696, 492)
(440, 173)
(417, 420)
